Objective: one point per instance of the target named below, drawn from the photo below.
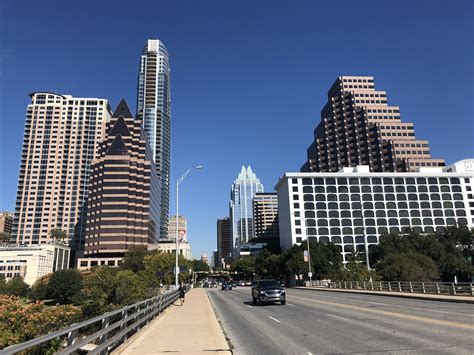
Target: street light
(179, 181)
(366, 244)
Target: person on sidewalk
(182, 292)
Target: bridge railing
(439, 288)
(100, 334)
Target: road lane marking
(276, 320)
(393, 314)
(333, 315)
(289, 304)
(249, 306)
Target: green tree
(16, 287)
(98, 292)
(245, 265)
(134, 259)
(293, 262)
(159, 268)
(58, 234)
(355, 270)
(129, 288)
(39, 290)
(199, 265)
(64, 286)
(409, 266)
(5, 237)
(268, 265)
(326, 260)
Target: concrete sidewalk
(420, 296)
(189, 329)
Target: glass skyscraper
(243, 190)
(153, 109)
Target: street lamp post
(366, 245)
(310, 274)
(178, 182)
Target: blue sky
(249, 78)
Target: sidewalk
(420, 296)
(189, 329)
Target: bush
(20, 322)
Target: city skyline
(202, 117)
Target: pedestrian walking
(182, 292)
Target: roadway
(315, 322)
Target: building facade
(31, 262)
(182, 229)
(358, 127)
(353, 207)
(243, 190)
(123, 203)
(169, 246)
(6, 220)
(60, 141)
(154, 110)
(265, 215)
(224, 242)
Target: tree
(134, 259)
(5, 237)
(159, 268)
(129, 288)
(16, 287)
(409, 266)
(98, 290)
(355, 270)
(268, 265)
(58, 234)
(245, 265)
(39, 290)
(64, 286)
(199, 265)
(293, 262)
(326, 260)
(21, 321)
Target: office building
(224, 242)
(353, 207)
(182, 229)
(6, 220)
(243, 190)
(60, 141)
(153, 109)
(31, 262)
(358, 127)
(123, 203)
(169, 246)
(265, 215)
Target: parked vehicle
(268, 290)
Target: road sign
(310, 274)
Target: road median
(420, 296)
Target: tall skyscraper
(358, 127)
(6, 220)
(123, 202)
(265, 215)
(224, 241)
(153, 109)
(243, 190)
(60, 141)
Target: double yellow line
(391, 314)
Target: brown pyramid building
(124, 194)
(358, 127)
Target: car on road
(226, 286)
(268, 290)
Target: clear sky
(249, 78)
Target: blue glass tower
(243, 190)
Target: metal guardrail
(437, 288)
(102, 333)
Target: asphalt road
(315, 322)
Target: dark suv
(268, 290)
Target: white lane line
(309, 353)
(276, 320)
(289, 304)
(333, 315)
(249, 306)
(236, 299)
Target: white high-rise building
(352, 208)
(242, 193)
(154, 110)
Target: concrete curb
(435, 298)
(227, 339)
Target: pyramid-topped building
(123, 208)
(358, 127)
